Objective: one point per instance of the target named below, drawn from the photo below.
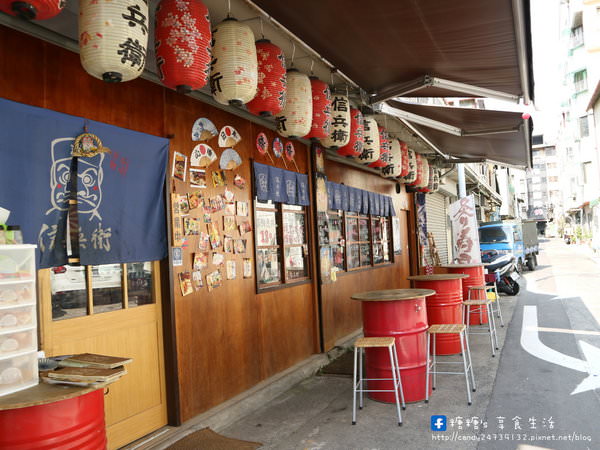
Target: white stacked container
(18, 319)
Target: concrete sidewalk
(317, 413)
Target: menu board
(266, 228)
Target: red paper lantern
(354, 147)
(32, 9)
(270, 94)
(419, 178)
(182, 40)
(321, 116)
(385, 147)
(405, 158)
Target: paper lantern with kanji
(321, 116)
(394, 167)
(385, 146)
(411, 175)
(113, 38)
(430, 180)
(296, 118)
(182, 41)
(32, 9)
(371, 147)
(354, 147)
(339, 133)
(271, 90)
(234, 67)
(419, 171)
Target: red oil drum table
(476, 278)
(401, 314)
(443, 307)
(50, 416)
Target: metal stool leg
(394, 373)
(360, 371)
(354, 387)
(434, 339)
(470, 362)
(495, 331)
(399, 377)
(462, 346)
(491, 331)
(427, 372)
(498, 307)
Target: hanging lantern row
(385, 146)
(182, 43)
(354, 147)
(321, 115)
(394, 167)
(271, 90)
(113, 38)
(32, 9)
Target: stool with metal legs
(358, 382)
(492, 294)
(432, 362)
(480, 305)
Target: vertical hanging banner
(119, 186)
(422, 228)
(465, 231)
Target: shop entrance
(112, 309)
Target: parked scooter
(505, 269)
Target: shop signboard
(465, 235)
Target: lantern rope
(312, 64)
(228, 9)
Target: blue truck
(516, 237)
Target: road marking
(530, 341)
(565, 330)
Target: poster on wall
(465, 237)
(321, 192)
(396, 235)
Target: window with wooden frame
(86, 290)
(281, 236)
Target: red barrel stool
(401, 314)
(53, 417)
(476, 278)
(445, 307)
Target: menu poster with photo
(230, 209)
(214, 280)
(214, 236)
(231, 270)
(198, 178)
(227, 244)
(240, 246)
(191, 226)
(229, 224)
(396, 235)
(203, 242)
(242, 209)
(200, 261)
(247, 267)
(185, 283)
(245, 227)
(266, 228)
(326, 264)
(195, 199)
(218, 259)
(197, 280)
(179, 166)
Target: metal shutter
(437, 223)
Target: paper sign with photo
(179, 166)
(231, 270)
(185, 283)
(197, 178)
(197, 279)
(228, 244)
(200, 261)
(247, 267)
(242, 209)
(213, 280)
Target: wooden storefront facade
(216, 344)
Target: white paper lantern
(394, 167)
(371, 147)
(113, 38)
(296, 118)
(234, 68)
(339, 131)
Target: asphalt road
(544, 394)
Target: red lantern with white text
(425, 178)
(321, 117)
(405, 158)
(271, 91)
(385, 145)
(182, 42)
(32, 9)
(419, 171)
(354, 147)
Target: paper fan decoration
(262, 143)
(228, 136)
(290, 151)
(203, 130)
(277, 147)
(202, 156)
(230, 159)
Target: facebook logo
(438, 423)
